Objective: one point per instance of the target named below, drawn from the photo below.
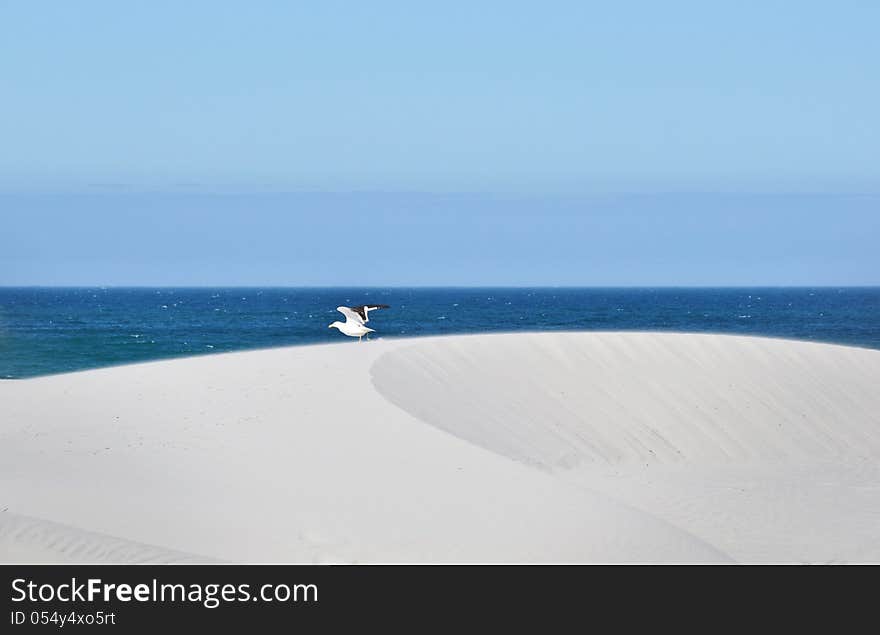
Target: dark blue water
(44, 330)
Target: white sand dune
(560, 447)
(622, 398)
(767, 449)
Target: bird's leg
(360, 338)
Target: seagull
(356, 318)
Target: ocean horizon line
(438, 286)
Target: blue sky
(467, 143)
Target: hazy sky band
(418, 239)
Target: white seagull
(356, 318)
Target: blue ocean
(55, 330)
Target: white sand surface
(552, 447)
(33, 540)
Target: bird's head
(335, 325)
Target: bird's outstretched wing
(364, 310)
(350, 315)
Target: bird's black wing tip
(370, 307)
